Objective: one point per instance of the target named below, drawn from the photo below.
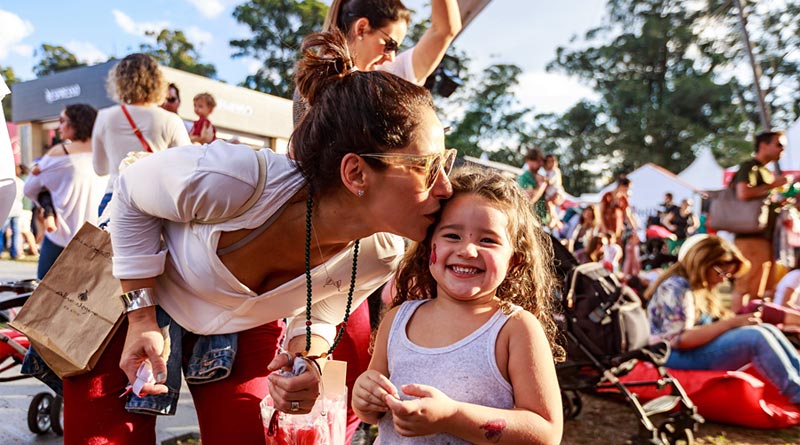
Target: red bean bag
(735, 397)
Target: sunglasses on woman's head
(431, 163)
(390, 45)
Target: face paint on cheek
(494, 429)
(433, 256)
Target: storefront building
(251, 117)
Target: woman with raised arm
(376, 28)
(201, 247)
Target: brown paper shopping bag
(73, 313)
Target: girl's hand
(370, 391)
(285, 391)
(749, 319)
(144, 343)
(421, 416)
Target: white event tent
(704, 173)
(649, 183)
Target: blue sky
(523, 32)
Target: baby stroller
(606, 333)
(45, 409)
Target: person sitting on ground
(685, 311)
(204, 104)
(465, 355)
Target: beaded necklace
(309, 206)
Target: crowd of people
(239, 264)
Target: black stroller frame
(590, 368)
(45, 410)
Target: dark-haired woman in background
(376, 28)
(66, 172)
(324, 217)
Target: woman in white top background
(66, 171)
(138, 85)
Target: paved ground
(16, 396)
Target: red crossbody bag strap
(136, 130)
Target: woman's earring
(360, 37)
(360, 193)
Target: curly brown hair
(137, 79)
(530, 282)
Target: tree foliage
(493, 122)
(10, 78)
(278, 28)
(53, 59)
(662, 87)
(173, 49)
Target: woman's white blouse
(163, 193)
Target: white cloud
(13, 31)
(209, 8)
(551, 93)
(198, 37)
(86, 52)
(23, 50)
(138, 29)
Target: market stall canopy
(704, 173)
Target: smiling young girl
(465, 354)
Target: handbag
(75, 310)
(729, 213)
(70, 317)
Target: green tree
(774, 31)
(10, 78)
(53, 59)
(663, 90)
(493, 122)
(278, 28)
(172, 49)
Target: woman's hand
(748, 319)
(421, 416)
(370, 391)
(302, 389)
(144, 343)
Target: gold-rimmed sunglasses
(431, 163)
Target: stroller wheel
(572, 404)
(671, 434)
(57, 415)
(39, 413)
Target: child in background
(554, 193)
(204, 105)
(465, 354)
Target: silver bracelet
(139, 299)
